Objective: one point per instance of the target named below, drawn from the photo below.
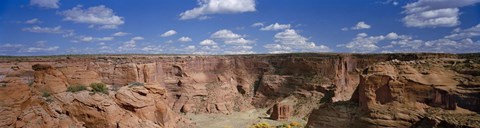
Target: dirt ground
(237, 119)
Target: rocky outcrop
(191, 84)
(281, 112)
(407, 94)
(42, 104)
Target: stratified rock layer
(423, 93)
(35, 87)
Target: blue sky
(50, 27)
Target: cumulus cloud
(92, 39)
(275, 27)
(10, 48)
(130, 45)
(98, 15)
(466, 33)
(434, 13)
(458, 42)
(290, 41)
(38, 29)
(169, 33)
(33, 21)
(233, 43)
(208, 42)
(225, 34)
(228, 37)
(45, 3)
(40, 49)
(120, 34)
(358, 26)
(364, 43)
(361, 25)
(184, 39)
(207, 7)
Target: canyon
(324, 89)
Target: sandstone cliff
(181, 84)
(422, 93)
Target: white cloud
(169, 33)
(138, 38)
(130, 45)
(184, 39)
(225, 34)
(358, 26)
(239, 50)
(258, 24)
(276, 26)
(207, 7)
(38, 29)
(208, 42)
(45, 3)
(120, 34)
(33, 21)
(92, 39)
(434, 13)
(230, 38)
(290, 41)
(361, 25)
(98, 15)
(10, 48)
(466, 33)
(232, 44)
(365, 43)
(40, 49)
(239, 41)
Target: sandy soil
(237, 119)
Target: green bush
(76, 88)
(45, 94)
(99, 87)
(131, 84)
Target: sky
(55, 27)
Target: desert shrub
(132, 84)
(30, 83)
(76, 88)
(99, 87)
(47, 95)
(261, 125)
(3, 84)
(293, 124)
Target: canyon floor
(237, 119)
(315, 90)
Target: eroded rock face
(35, 105)
(187, 84)
(406, 94)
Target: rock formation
(281, 112)
(35, 88)
(421, 93)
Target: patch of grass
(76, 88)
(132, 84)
(99, 87)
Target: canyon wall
(420, 93)
(176, 84)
